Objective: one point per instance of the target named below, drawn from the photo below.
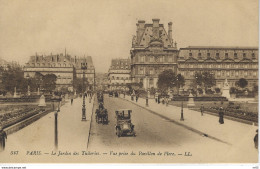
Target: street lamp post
(83, 67)
(56, 126)
(182, 118)
(146, 75)
(28, 86)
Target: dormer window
(253, 55)
(235, 55)
(217, 55)
(226, 55)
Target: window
(170, 59)
(161, 59)
(235, 55)
(217, 55)
(228, 73)
(199, 55)
(190, 54)
(151, 59)
(253, 55)
(141, 58)
(141, 70)
(244, 55)
(226, 55)
(208, 55)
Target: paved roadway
(154, 134)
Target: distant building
(5, 64)
(153, 51)
(64, 67)
(231, 63)
(89, 73)
(119, 74)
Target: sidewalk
(39, 136)
(238, 135)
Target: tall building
(153, 51)
(231, 63)
(62, 65)
(119, 74)
(89, 73)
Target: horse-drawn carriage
(124, 125)
(101, 114)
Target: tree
(208, 80)
(13, 77)
(179, 81)
(242, 83)
(166, 80)
(205, 80)
(49, 82)
(78, 84)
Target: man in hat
(3, 136)
(256, 139)
(201, 109)
(221, 114)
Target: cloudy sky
(103, 29)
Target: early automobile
(124, 125)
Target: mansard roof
(147, 36)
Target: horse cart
(101, 114)
(124, 126)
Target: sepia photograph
(129, 82)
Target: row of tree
(13, 77)
(202, 82)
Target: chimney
(170, 31)
(140, 30)
(156, 28)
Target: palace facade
(153, 51)
(65, 67)
(119, 74)
(231, 63)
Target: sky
(103, 29)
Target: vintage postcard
(135, 81)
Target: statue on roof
(134, 41)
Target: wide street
(154, 134)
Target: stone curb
(180, 124)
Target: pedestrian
(256, 139)
(3, 136)
(201, 109)
(221, 114)
(71, 101)
(136, 98)
(158, 99)
(167, 101)
(163, 100)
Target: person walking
(3, 136)
(256, 139)
(71, 101)
(221, 114)
(201, 109)
(136, 98)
